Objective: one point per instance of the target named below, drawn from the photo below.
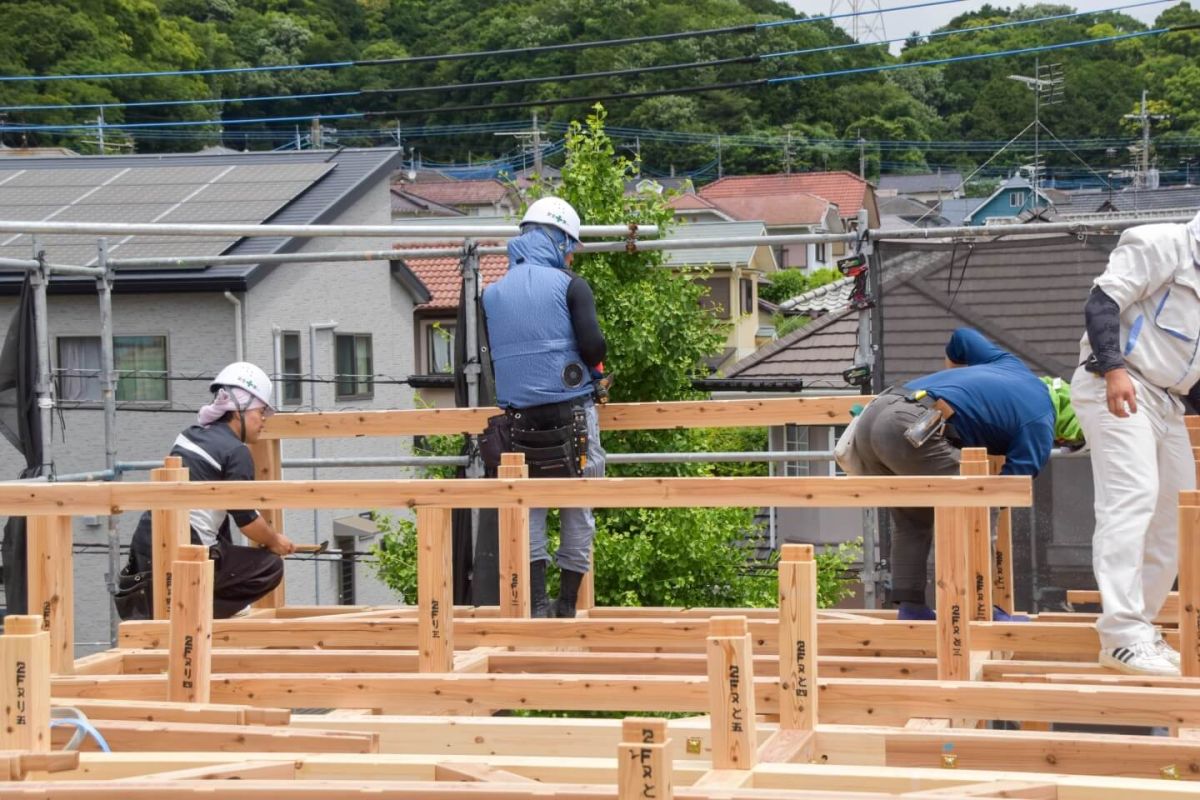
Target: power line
(501, 83)
(515, 51)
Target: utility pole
(862, 156)
(1145, 118)
(720, 166)
(787, 154)
(537, 145)
(531, 140)
(100, 131)
(314, 133)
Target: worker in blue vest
(987, 398)
(546, 349)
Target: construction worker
(1139, 366)
(214, 449)
(987, 398)
(545, 343)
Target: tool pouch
(548, 438)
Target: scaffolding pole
(40, 281)
(108, 396)
(300, 231)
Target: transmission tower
(867, 23)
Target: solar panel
(206, 194)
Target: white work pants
(1140, 463)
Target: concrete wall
(200, 331)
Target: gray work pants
(577, 525)
(880, 443)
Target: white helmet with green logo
(555, 212)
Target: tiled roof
(830, 297)
(928, 182)
(719, 254)
(817, 354)
(458, 193)
(690, 202)
(1182, 197)
(443, 278)
(844, 189)
(800, 208)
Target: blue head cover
(540, 245)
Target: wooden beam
(979, 540)
(17, 766)
(818, 492)
(731, 697)
(1189, 590)
(613, 416)
(189, 669)
(164, 711)
(643, 764)
(51, 589)
(268, 466)
(1002, 574)
(797, 637)
(951, 549)
(25, 685)
(514, 544)
(170, 529)
(1028, 790)
(787, 745)
(246, 770)
(123, 735)
(435, 590)
(476, 773)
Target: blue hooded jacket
(998, 402)
(534, 353)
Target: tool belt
(553, 438)
(937, 417)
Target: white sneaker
(1143, 658)
(1166, 651)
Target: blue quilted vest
(534, 354)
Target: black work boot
(568, 593)
(539, 601)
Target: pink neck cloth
(224, 402)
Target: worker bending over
(546, 347)
(988, 398)
(1139, 365)
(215, 449)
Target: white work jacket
(1154, 277)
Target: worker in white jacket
(1139, 368)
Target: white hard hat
(555, 212)
(247, 376)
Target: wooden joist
(186, 737)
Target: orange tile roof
(791, 209)
(458, 193)
(845, 189)
(690, 202)
(443, 276)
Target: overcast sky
(898, 24)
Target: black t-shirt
(214, 453)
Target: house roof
(443, 277)
(1015, 182)
(1025, 293)
(844, 189)
(800, 208)
(756, 256)
(823, 299)
(948, 181)
(287, 188)
(458, 193)
(407, 204)
(1175, 197)
(903, 212)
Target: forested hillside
(908, 118)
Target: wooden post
(1002, 575)
(979, 529)
(731, 693)
(953, 595)
(797, 638)
(1189, 591)
(587, 588)
(25, 685)
(51, 591)
(268, 466)
(189, 667)
(514, 545)
(435, 591)
(643, 767)
(170, 528)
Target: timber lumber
(186, 737)
(153, 662)
(644, 768)
(789, 492)
(50, 592)
(661, 635)
(245, 770)
(844, 700)
(138, 710)
(25, 688)
(1169, 613)
(169, 529)
(16, 765)
(613, 416)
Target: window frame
(1018, 196)
(369, 394)
(429, 335)
(820, 253)
(58, 376)
(290, 380)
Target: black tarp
(476, 563)
(21, 426)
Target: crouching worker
(546, 345)
(988, 398)
(215, 449)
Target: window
(835, 433)
(293, 387)
(140, 362)
(819, 252)
(747, 293)
(354, 366)
(439, 348)
(717, 298)
(795, 440)
(1016, 199)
